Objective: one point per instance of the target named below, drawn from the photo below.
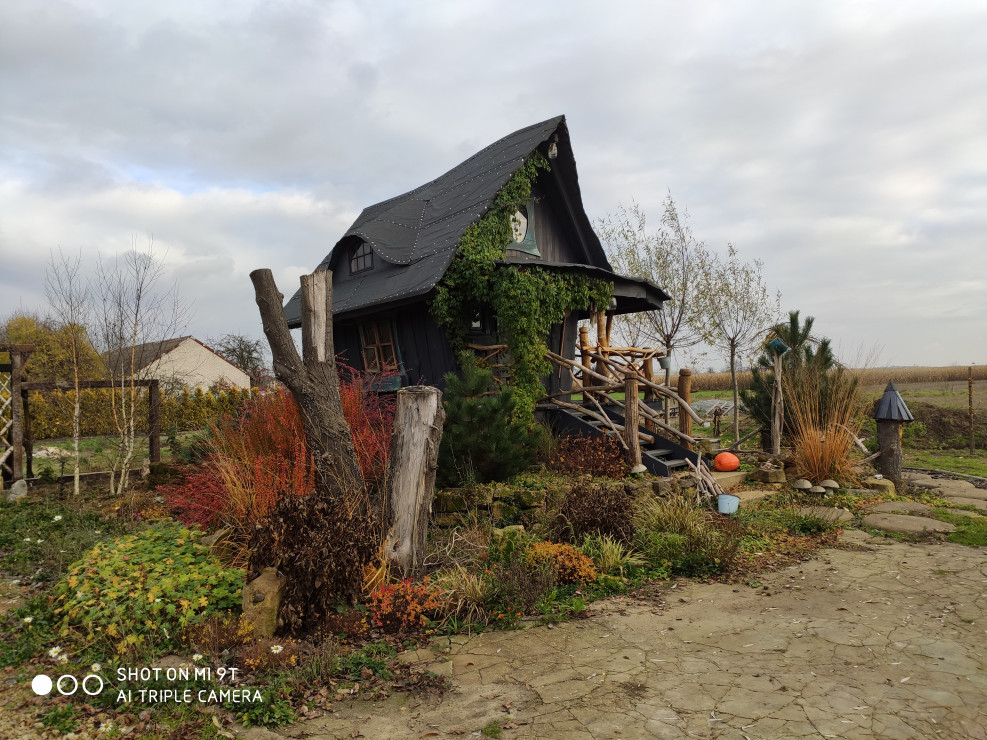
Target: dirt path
(888, 640)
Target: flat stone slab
(906, 524)
(749, 497)
(977, 503)
(834, 514)
(963, 512)
(900, 507)
(733, 478)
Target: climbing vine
(527, 300)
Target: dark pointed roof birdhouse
(891, 406)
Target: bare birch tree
(740, 310)
(674, 259)
(136, 312)
(70, 301)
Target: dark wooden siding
(422, 347)
(425, 352)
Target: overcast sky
(842, 143)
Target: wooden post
(411, 475)
(685, 393)
(17, 360)
(889, 440)
(777, 409)
(631, 418)
(649, 392)
(28, 435)
(585, 360)
(970, 398)
(154, 421)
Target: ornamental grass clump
(826, 415)
(142, 591)
(679, 537)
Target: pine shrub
(481, 441)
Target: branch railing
(611, 376)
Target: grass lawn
(95, 453)
(959, 461)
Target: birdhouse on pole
(890, 413)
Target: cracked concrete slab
(886, 640)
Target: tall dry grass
(826, 415)
(868, 376)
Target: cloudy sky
(842, 143)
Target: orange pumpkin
(726, 461)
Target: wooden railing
(610, 376)
(617, 377)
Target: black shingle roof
(420, 230)
(891, 406)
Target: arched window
(361, 258)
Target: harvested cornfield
(868, 376)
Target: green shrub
(481, 441)
(142, 590)
(684, 538)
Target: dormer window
(361, 258)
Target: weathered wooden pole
(777, 409)
(631, 418)
(18, 356)
(685, 393)
(970, 399)
(649, 392)
(411, 470)
(890, 414)
(585, 360)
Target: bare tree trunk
(314, 383)
(411, 475)
(736, 392)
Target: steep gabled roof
(144, 354)
(420, 230)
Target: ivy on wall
(527, 301)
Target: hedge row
(51, 411)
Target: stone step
(906, 524)
(728, 480)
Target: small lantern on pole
(777, 398)
(890, 413)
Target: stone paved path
(885, 641)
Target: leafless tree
(740, 310)
(70, 301)
(671, 257)
(135, 313)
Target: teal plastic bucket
(727, 503)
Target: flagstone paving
(884, 639)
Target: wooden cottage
(387, 266)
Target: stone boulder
(17, 491)
(882, 485)
(261, 601)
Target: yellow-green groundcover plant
(142, 590)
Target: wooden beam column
(631, 418)
(685, 393)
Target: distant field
(868, 377)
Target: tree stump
(412, 464)
(889, 441)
